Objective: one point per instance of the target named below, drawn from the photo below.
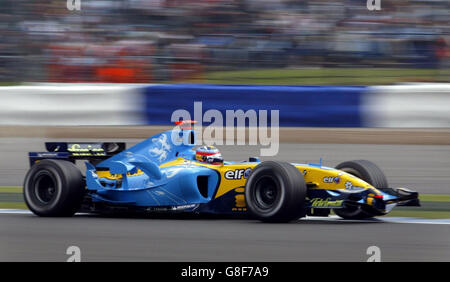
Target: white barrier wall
(397, 106)
(407, 106)
(71, 104)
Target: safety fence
(409, 105)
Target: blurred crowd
(174, 40)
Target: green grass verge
(435, 198)
(318, 76)
(13, 205)
(9, 83)
(10, 189)
(328, 76)
(419, 214)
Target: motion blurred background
(120, 68)
(224, 41)
(349, 83)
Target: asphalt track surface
(25, 237)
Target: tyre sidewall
(370, 173)
(68, 185)
(276, 175)
(291, 188)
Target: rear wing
(72, 151)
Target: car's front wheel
(54, 188)
(276, 192)
(367, 171)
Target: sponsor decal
(85, 148)
(332, 179)
(237, 174)
(43, 155)
(171, 208)
(161, 149)
(319, 202)
(88, 154)
(349, 186)
(183, 207)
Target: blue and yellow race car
(166, 174)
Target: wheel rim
(266, 192)
(45, 187)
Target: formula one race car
(165, 174)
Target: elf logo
(237, 174)
(331, 179)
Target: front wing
(378, 202)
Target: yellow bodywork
(108, 175)
(232, 176)
(314, 175)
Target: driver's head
(209, 155)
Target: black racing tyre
(367, 171)
(54, 188)
(276, 192)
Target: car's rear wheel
(276, 192)
(367, 171)
(54, 188)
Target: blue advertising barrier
(309, 106)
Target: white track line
(14, 211)
(332, 218)
(417, 220)
(410, 220)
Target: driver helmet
(209, 155)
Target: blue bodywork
(155, 186)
